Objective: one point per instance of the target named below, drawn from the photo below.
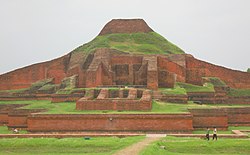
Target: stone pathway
(137, 147)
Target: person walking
(207, 133)
(215, 133)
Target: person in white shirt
(215, 133)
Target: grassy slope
(137, 43)
(208, 87)
(69, 107)
(239, 92)
(94, 146)
(192, 146)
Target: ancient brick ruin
(106, 67)
(109, 79)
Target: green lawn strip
(157, 107)
(229, 131)
(173, 91)
(194, 146)
(239, 128)
(93, 146)
(219, 132)
(215, 81)
(238, 92)
(207, 87)
(5, 130)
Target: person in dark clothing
(207, 133)
(215, 133)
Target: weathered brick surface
(66, 98)
(24, 77)
(203, 118)
(5, 109)
(104, 103)
(196, 69)
(111, 122)
(238, 116)
(26, 97)
(174, 98)
(126, 26)
(18, 118)
(173, 67)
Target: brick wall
(238, 116)
(170, 66)
(203, 118)
(196, 69)
(126, 26)
(66, 98)
(104, 103)
(24, 77)
(18, 118)
(111, 122)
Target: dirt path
(137, 147)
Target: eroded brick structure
(106, 66)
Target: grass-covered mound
(215, 81)
(207, 87)
(157, 107)
(238, 92)
(193, 146)
(67, 146)
(136, 43)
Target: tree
(248, 70)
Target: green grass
(211, 131)
(42, 146)
(48, 87)
(239, 92)
(239, 128)
(229, 131)
(208, 87)
(173, 91)
(194, 146)
(69, 107)
(215, 81)
(137, 43)
(5, 130)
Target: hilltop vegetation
(136, 43)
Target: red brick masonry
(111, 122)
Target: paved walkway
(137, 147)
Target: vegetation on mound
(238, 92)
(136, 43)
(215, 81)
(177, 90)
(93, 146)
(69, 107)
(192, 146)
(207, 87)
(248, 70)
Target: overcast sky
(32, 31)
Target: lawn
(238, 92)
(207, 87)
(194, 146)
(5, 130)
(229, 131)
(42, 146)
(69, 107)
